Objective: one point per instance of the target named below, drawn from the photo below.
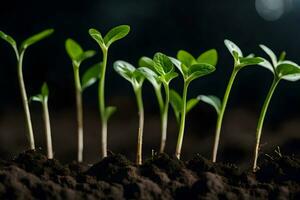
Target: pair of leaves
(281, 68)
(177, 103)
(239, 60)
(43, 96)
(192, 68)
(130, 73)
(76, 52)
(29, 41)
(113, 35)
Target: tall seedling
(191, 69)
(239, 62)
(160, 71)
(43, 99)
(281, 69)
(77, 56)
(20, 55)
(136, 78)
(113, 35)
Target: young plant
(136, 78)
(191, 69)
(160, 71)
(239, 62)
(113, 35)
(43, 99)
(281, 69)
(77, 56)
(20, 55)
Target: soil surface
(32, 176)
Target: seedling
(77, 56)
(281, 69)
(20, 55)
(43, 99)
(191, 69)
(239, 62)
(136, 78)
(113, 35)
(160, 71)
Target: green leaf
(211, 100)
(38, 98)
(162, 64)
(266, 64)
(8, 39)
(91, 76)
(270, 53)
(176, 103)
(178, 65)
(109, 111)
(151, 76)
(199, 70)
(232, 47)
(146, 62)
(85, 55)
(73, 49)
(282, 56)
(96, 35)
(36, 38)
(191, 104)
(186, 58)
(250, 61)
(115, 34)
(45, 90)
(288, 70)
(169, 76)
(210, 57)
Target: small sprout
(43, 99)
(77, 56)
(20, 55)
(177, 103)
(239, 62)
(112, 36)
(136, 78)
(281, 69)
(160, 71)
(191, 69)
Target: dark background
(157, 25)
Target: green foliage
(36, 38)
(214, 101)
(113, 35)
(109, 111)
(8, 39)
(91, 75)
(43, 95)
(210, 57)
(76, 53)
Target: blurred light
(272, 10)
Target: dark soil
(32, 176)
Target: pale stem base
(48, 130)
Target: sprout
(191, 69)
(281, 69)
(43, 99)
(20, 55)
(77, 56)
(113, 35)
(136, 78)
(160, 71)
(239, 62)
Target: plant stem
(47, 129)
(261, 120)
(101, 97)
(221, 114)
(25, 101)
(138, 94)
(165, 119)
(182, 120)
(159, 100)
(79, 112)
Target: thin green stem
(47, 129)
(261, 120)
(221, 114)
(101, 98)
(159, 99)
(182, 120)
(79, 112)
(25, 101)
(165, 119)
(139, 99)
